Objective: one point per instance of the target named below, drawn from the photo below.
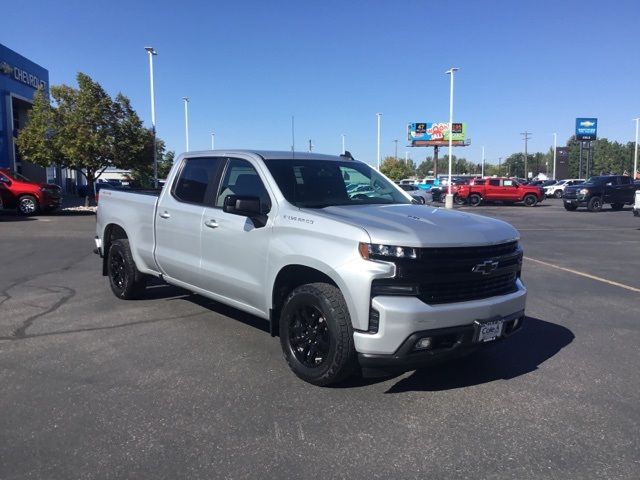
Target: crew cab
(29, 198)
(349, 280)
(504, 190)
(557, 189)
(616, 190)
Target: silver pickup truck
(350, 273)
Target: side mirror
(245, 206)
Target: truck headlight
(583, 191)
(376, 250)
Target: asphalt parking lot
(177, 386)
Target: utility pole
(635, 155)
(396, 154)
(151, 51)
(186, 122)
(482, 162)
(499, 166)
(310, 146)
(555, 147)
(378, 115)
(527, 136)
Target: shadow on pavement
(537, 342)
(12, 217)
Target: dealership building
(19, 80)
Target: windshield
(596, 179)
(18, 176)
(325, 183)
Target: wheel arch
(112, 232)
(286, 280)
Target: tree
(85, 129)
(397, 169)
(142, 173)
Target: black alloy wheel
(316, 334)
(309, 336)
(126, 281)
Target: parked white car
(557, 189)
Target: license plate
(488, 331)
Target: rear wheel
(570, 207)
(595, 204)
(458, 200)
(474, 199)
(557, 194)
(27, 205)
(126, 280)
(316, 334)
(617, 206)
(530, 200)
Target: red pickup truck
(26, 196)
(504, 190)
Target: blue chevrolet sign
(586, 128)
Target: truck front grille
(448, 275)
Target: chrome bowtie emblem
(486, 267)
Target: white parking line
(582, 274)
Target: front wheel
(558, 194)
(27, 205)
(458, 200)
(530, 200)
(569, 207)
(595, 204)
(127, 282)
(316, 334)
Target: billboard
(562, 163)
(586, 129)
(432, 134)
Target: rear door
(510, 191)
(492, 189)
(627, 190)
(179, 218)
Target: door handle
(165, 215)
(211, 223)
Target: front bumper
(400, 317)
(447, 343)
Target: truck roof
(268, 154)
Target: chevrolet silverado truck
(506, 190)
(616, 190)
(348, 280)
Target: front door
(234, 249)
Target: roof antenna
(347, 154)
(293, 137)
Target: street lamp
(379, 115)
(213, 141)
(396, 150)
(151, 51)
(186, 121)
(482, 162)
(343, 144)
(449, 198)
(635, 156)
(555, 143)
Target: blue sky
(248, 66)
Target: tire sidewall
(558, 194)
(29, 199)
(530, 200)
(134, 282)
(595, 204)
(475, 199)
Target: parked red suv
(26, 196)
(504, 190)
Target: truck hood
(422, 226)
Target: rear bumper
(448, 343)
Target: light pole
(635, 156)
(482, 162)
(343, 144)
(379, 115)
(499, 166)
(406, 157)
(449, 198)
(151, 51)
(396, 151)
(555, 143)
(186, 121)
(213, 141)
(527, 136)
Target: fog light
(423, 343)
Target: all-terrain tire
(316, 334)
(125, 279)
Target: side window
(197, 177)
(241, 178)
(508, 183)
(478, 182)
(494, 182)
(624, 180)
